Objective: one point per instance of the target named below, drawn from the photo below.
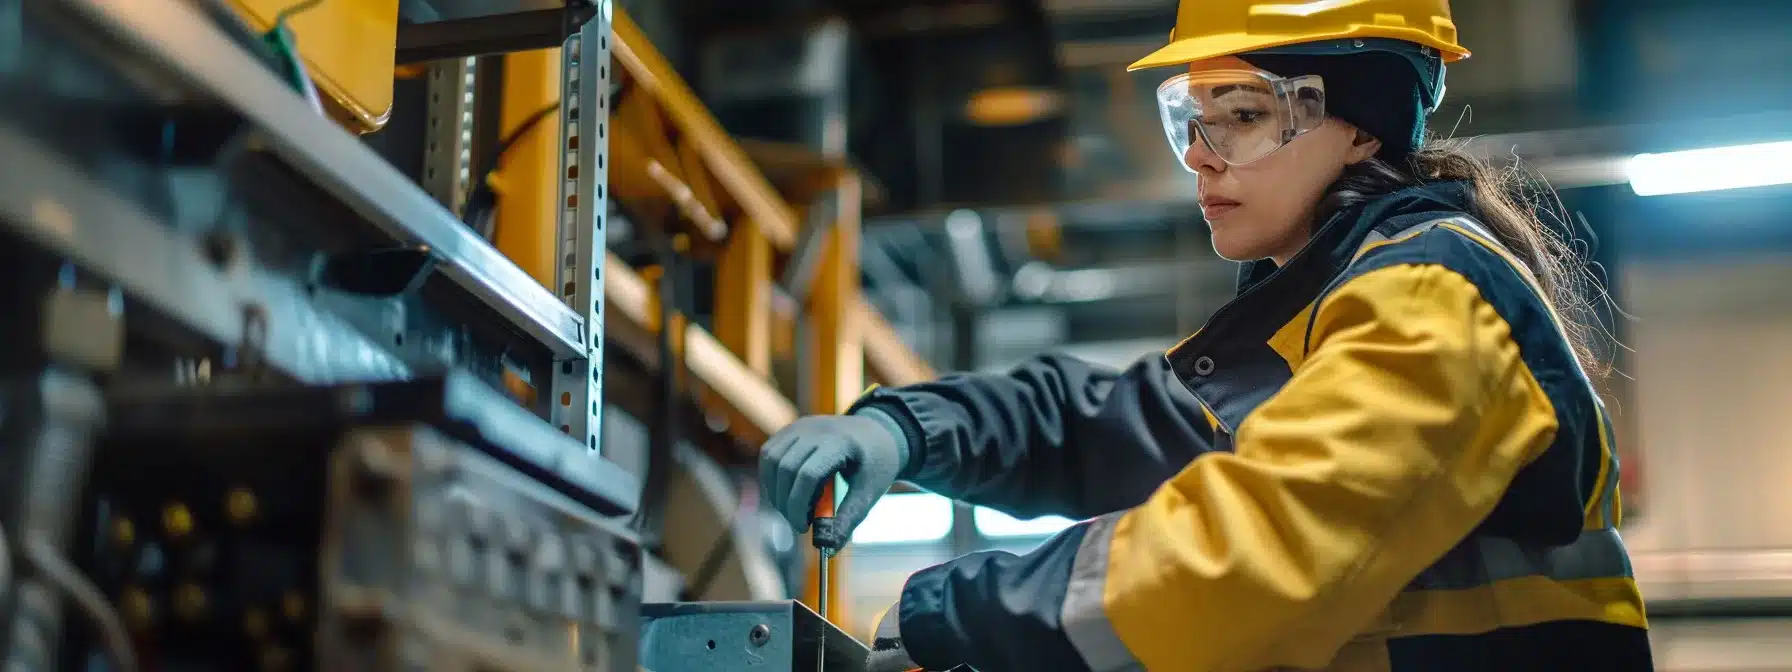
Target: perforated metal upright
(584, 117)
(448, 140)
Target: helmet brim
(1192, 49)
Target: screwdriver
(828, 540)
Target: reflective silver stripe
(1084, 616)
(1473, 226)
(1481, 561)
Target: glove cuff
(902, 427)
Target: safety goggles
(1239, 115)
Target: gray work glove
(866, 448)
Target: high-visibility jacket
(1382, 456)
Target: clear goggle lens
(1238, 115)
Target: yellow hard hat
(1211, 28)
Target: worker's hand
(866, 448)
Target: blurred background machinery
(437, 333)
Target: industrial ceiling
(1021, 171)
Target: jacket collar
(1229, 364)
(1335, 242)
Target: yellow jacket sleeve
(1396, 437)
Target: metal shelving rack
(458, 30)
(578, 382)
(569, 323)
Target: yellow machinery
(347, 47)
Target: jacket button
(1203, 365)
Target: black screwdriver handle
(828, 535)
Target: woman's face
(1264, 209)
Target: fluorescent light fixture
(1711, 169)
(997, 525)
(908, 517)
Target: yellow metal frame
(710, 153)
(526, 179)
(668, 156)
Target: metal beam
(54, 205)
(496, 34)
(178, 38)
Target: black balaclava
(1377, 92)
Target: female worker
(1385, 453)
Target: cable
(482, 202)
(295, 9)
(664, 434)
(44, 558)
(516, 134)
(280, 39)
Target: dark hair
(1512, 207)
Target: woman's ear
(1362, 148)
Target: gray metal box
(713, 636)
